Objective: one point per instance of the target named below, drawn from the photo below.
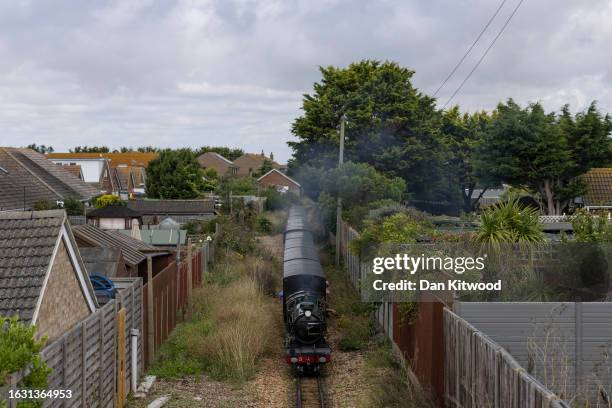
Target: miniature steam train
(304, 297)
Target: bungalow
(599, 188)
(96, 171)
(42, 277)
(223, 166)
(250, 163)
(182, 211)
(27, 177)
(279, 180)
(114, 217)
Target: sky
(232, 73)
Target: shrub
(73, 206)
(18, 350)
(44, 205)
(588, 228)
(263, 225)
(509, 222)
(277, 201)
(106, 200)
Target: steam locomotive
(304, 297)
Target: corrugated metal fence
(566, 345)
(481, 374)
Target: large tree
(545, 152)
(174, 174)
(463, 138)
(390, 124)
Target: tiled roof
(123, 176)
(27, 242)
(163, 207)
(275, 171)
(599, 184)
(130, 247)
(161, 237)
(27, 176)
(129, 158)
(250, 162)
(215, 161)
(113, 211)
(74, 169)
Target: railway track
(310, 392)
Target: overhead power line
(485, 53)
(501, 5)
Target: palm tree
(509, 222)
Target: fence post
(205, 261)
(150, 311)
(84, 363)
(189, 270)
(578, 345)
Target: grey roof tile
(27, 241)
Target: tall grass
(229, 326)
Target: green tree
(41, 149)
(390, 125)
(463, 137)
(527, 147)
(89, 149)
(211, 180)
(227, 152)
(174, 174)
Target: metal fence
(479, 373)
(84, 359)
(566, 345)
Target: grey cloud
(131, 72)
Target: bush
(263, 225)
(277, 201)
(106, 200)
(19, 349)
(73, 206)
(44, 205)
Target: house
(599, 188)
(249, 164)
(182, 211)
(138, 159)
(42, 277)
(108, 262)
(279, 180)
(96, 171)
(490, 196)
(223, 166)
(114, 217)
(125, 181)
(27, 177)
(135, 252)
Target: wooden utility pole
(339, 203)
(150, 311)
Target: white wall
(92, 168)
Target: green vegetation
(106, 200)
(229, 323)
(19, 349)
(591, 228)
(42, 149)
(509, 222)
(227, 152)
(72, 206)
(354, 318)
(442, 156)
(391, 382)
(174, 174)
(276, 201)
(546, 152)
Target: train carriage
(304, 296)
